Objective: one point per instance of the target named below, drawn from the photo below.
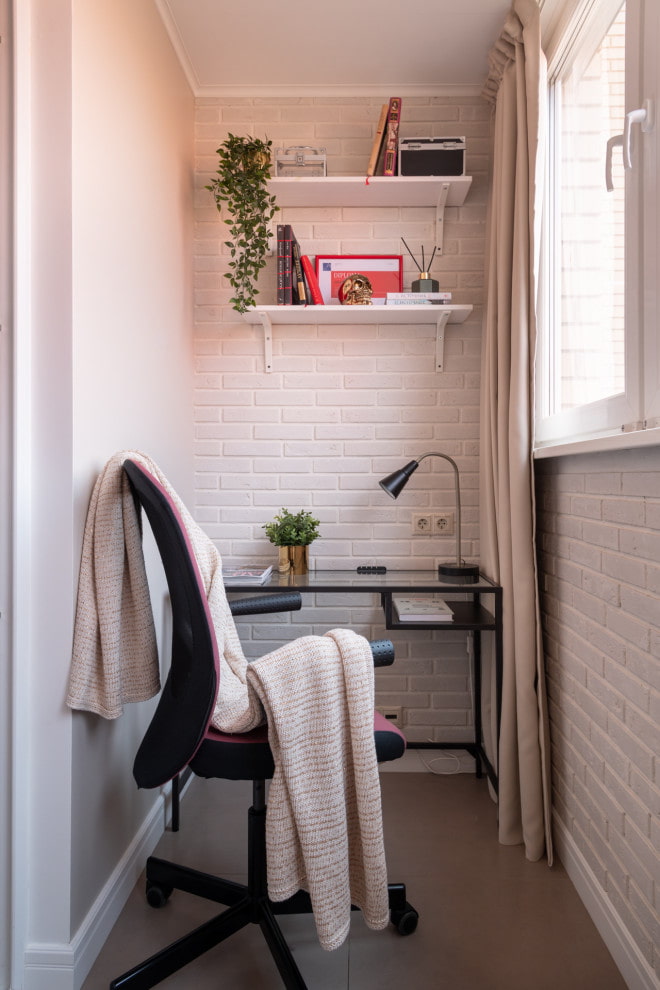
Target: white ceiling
(304, 46)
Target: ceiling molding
(382, 91)
(178, 45)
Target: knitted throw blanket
(317, 694)
(115, 657)
(323, 820)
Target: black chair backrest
(186, 702)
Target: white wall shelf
(395, 190)
(438, 316)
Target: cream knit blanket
(317, 693)
(324, 824)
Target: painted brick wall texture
(344, 405)
(599, 540)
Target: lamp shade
(394, 483)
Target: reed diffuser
(424, 283)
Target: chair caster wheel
(405, 920)
(157, 896)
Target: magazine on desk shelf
(240, 574)
(422, 609)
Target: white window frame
(637, 408)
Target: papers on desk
(429, 608)
(236, 574)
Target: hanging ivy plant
(242, 183)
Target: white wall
(132, 181)
(104, 363)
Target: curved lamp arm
(394, 484)
(454, 465)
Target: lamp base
(459, 573)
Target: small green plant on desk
(292, 533)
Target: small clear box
(300, 160)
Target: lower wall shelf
(438, 316)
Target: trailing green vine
(241, 182)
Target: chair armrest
(285, 601)
(383, 652)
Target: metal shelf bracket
(443, 320)
(268, 340)
(440, 215)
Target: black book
(284, 265)
(300, 294)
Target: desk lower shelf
(467, 615)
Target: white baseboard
(633, 966)
(65, 966)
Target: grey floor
(489, 919)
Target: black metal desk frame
(469, 615)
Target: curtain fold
(516, 87)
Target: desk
(469, 614)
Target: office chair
(180, 735)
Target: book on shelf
(315, 294)
(422, 609)
(299, 287)
(441, 297)
(378, 141)
(392, 136)
(284, 265)
(241, 574)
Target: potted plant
(242, 183)
(292, 533)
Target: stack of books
(417, 298)
(297, 283)
(233, 574)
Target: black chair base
(245, 904)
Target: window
(601, 226)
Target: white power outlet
(392, 713)
(443, 524)
(422, 524)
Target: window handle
(642, 115)
(611, 144)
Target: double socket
(433, 524)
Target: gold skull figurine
(355, 291)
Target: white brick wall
(344, 405)
(599, 539)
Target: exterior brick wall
(345, 404)
(599, 554)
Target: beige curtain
(515, 87)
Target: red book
(392, 136)
(312, 281)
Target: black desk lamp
(394, 484)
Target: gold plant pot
(294, 560)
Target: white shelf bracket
(440, 216)
(268, 341)
(443, 320)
